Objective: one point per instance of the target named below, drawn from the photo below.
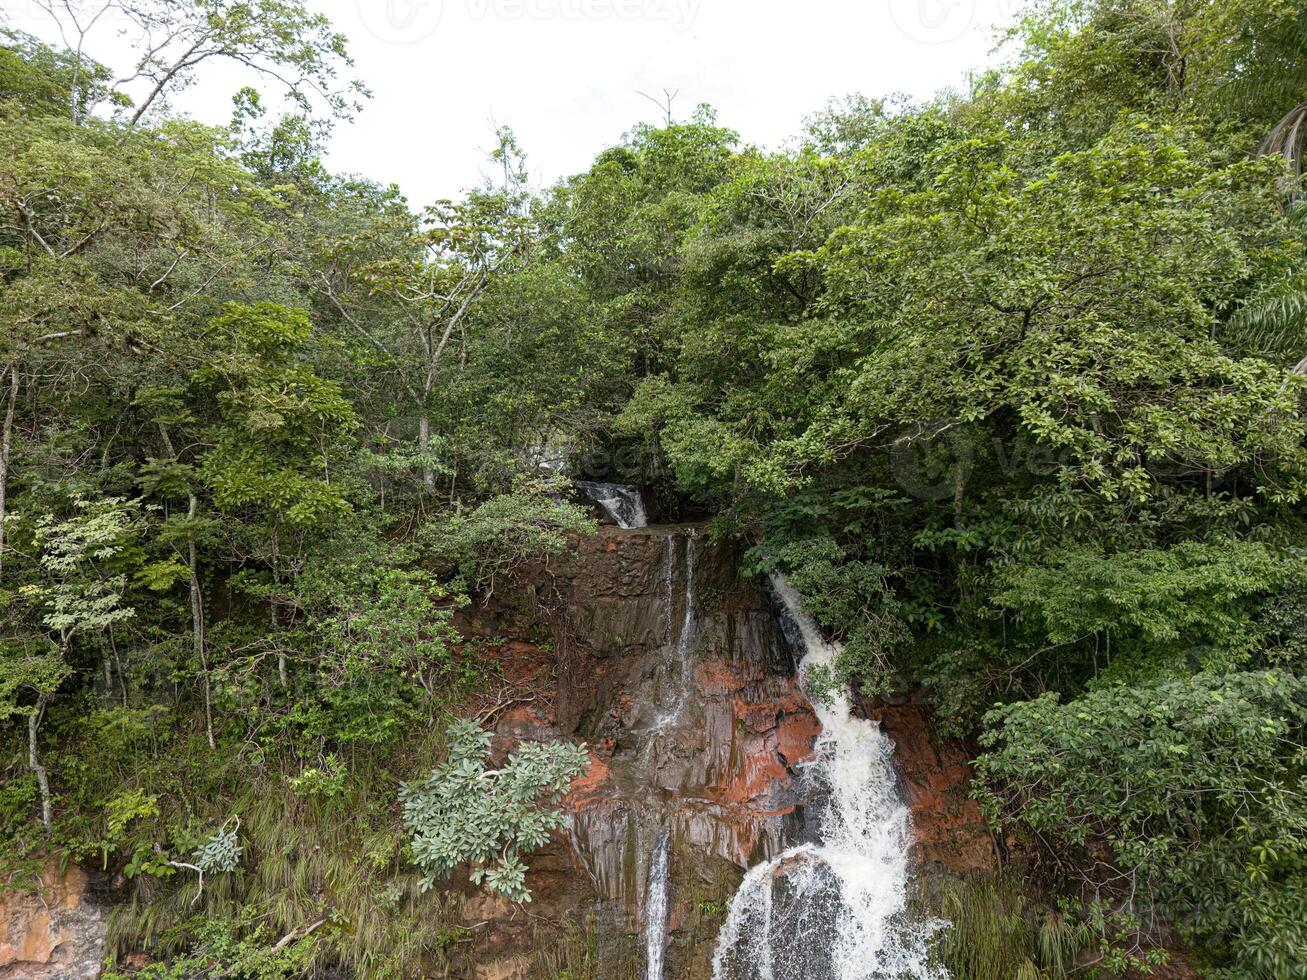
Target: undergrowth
(994, 929)
(324, 867)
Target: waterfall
(657, 892)
(684, 644)
(666, 577)
(656, 904)
(833, 909)
(623, 504)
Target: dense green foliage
(1193, 787)
(1005, 382)
(246, 485)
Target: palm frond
(1287, 138)
(1273, 322)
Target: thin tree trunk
(184, 62)
(197, 619)
(959, 488)
(424, 447)
(281, 654)
(34, 763)
(6, 441)
(122, 674)
(272, 614)
(197, 599)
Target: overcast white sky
(566, 74)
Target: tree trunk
(118, 662)
(424, 447)
(197, 598)
(34, 763)
(186, 61)
(276, 623)
(959, 488)
(6, 441)
(197, 620)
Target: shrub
(1193, 788)
(463, 812)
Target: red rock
(723, 776)
(716, 677)
(760, 770)
(593, 784)
(947, 826)
(796, 737)
(759, 718)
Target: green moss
(585, 950)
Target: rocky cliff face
(55, 931)
(948, 830)
(673, 669)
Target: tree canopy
(1009, 382)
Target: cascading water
(657, 892)
(666, 579)
(833, 909)
(671, 710)
(671, 701)
(623, 504)
(656, 905)
(632, 859)
(686, 691)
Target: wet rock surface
(671, 667)
(948, 830)
(651, 648)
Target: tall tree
(278, 40)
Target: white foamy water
(834, 909)
(675, 703)
(655, 912)
(623, 504)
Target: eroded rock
(948, 830)
(54, 932)
(704, 738)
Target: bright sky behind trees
(567, 75)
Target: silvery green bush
(463, 812)
(221, 852)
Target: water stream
(671, 708)
(656, 906)
(834, 908)
(622, 503)
(672, 697)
